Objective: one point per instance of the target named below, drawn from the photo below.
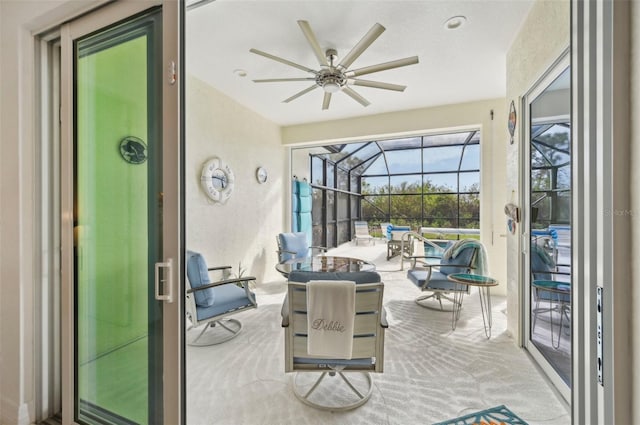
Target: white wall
(244, 229)
(541, 40)
(421, 121)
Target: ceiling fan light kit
(334, 78)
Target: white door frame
(601, 37)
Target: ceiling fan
(332, 77)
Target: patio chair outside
(362, 232)
(384, 228)
(397, 241)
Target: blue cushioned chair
(398, 240)
(550, 286)
(295, 246)
(430, 275)
(209, 303)
(368, 343)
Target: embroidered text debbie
(321, 324)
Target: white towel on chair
(331, 308)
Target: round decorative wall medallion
(133, 150)
(217, 180)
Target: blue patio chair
(294, 246)
(430, 275)
(210, 302)
(552, 286)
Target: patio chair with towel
(334, 326)
(463, 256)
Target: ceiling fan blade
(362, 45)
(361, 100)
(276, 80)
(311, 38)
(281, 60)
(326, 101)
(376, 84)
(297, 95)
(382, 66)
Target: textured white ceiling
(455, 66)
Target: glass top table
(325, 263)
(484, 284)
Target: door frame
(558, 66)
(601, 133)
(173, 391)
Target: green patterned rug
(498, 415)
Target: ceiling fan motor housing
(331, 79)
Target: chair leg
(360, 395)
(437, 296)
(232, 328)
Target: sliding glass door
(121, 254)
(548, 253)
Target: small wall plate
(261, 175)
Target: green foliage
(437, 207)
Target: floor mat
(498, 415)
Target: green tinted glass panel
(116, 223)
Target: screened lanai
(550, 174)
(430, 181)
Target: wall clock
(217, 180)
(261, 175)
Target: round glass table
(325, 263)
(484, 284)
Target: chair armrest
(414, 259)
(424, 256)
(551, 272)
(383, 318)
(284, 312)
(221, 282)
(218, 268)
(321, 248)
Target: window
(428, 181)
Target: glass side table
(484, 284)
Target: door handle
(168, 281)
